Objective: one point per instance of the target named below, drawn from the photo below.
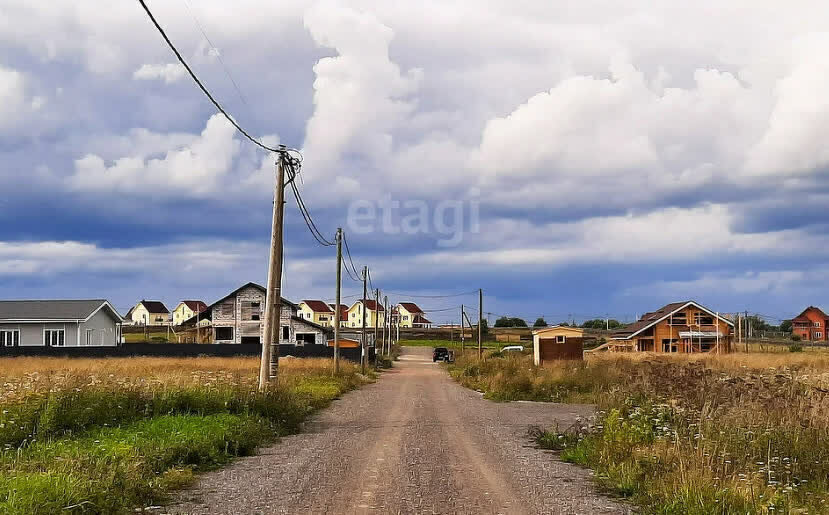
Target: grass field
(73, 431)
(738, 433)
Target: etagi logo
(448, 219)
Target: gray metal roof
(20, 310)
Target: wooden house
(677, 327)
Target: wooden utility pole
(376, 319)
(386, 325)
(480, 317)
(269, 364)
(463, 336)
(337, 300)
(364, 355)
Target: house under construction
(678, 327)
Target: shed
(557, 342)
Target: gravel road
(414, 442)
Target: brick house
(811, 325)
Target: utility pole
(463, 336)
(376, 318)
(269, 364)
(386, 325)
(337, 300)
(480, 317)
(364, 355)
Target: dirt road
(414, 442)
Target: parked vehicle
(441, 354)
(513, 348)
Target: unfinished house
(678, 327)
(238, 318)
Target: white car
(513, 348)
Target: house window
(818, 335)
(678, 319)
(224, 333)
(254, 304)
(405, 317)
(255, 316)
(817, 324)
(10, 338)
(669, 345)
(54, 337)
(286, 333)
(703, 319)
(561, 338)
(90, 337)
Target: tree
(786, 326)
(484, 326)
(540, 322)
(510, 322)
(503, 322)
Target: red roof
(343, 311)
(420, 319)
(196, 306)
(372, 305)
(318, 306)
(803, 318)
(411, 307)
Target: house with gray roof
(59, 323)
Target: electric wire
(432, 296)
(281, 150)
(218, 54)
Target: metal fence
(183, 350)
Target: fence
(182, 350)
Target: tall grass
(73, 430)
(696, 434)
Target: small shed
(557, 342)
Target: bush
(795, 347)
(796, 338)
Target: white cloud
(169, 73)
(14, 106)
(192, 166)
(360, 95)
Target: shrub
(796, 338)
(795, 347)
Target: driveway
(414, 442)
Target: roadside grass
(736, 433)
(72, 431)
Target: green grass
(679, 435)
(107, 448)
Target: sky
(573, 160)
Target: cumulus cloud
(170, 72)
(360, 95)
(15, 104)
(203, 165)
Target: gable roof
(318, 306)
(343, 311)
(558, 328)
(651, 319)
(195, 305)
(208, 312)
(803, 318)
(154, 306)
(371, 305)
(420, 319)
(411, 307)
(311, 324)
(53, 310)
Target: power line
(432, 296)
(351, 261)
(218, 106)
(218, 54)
